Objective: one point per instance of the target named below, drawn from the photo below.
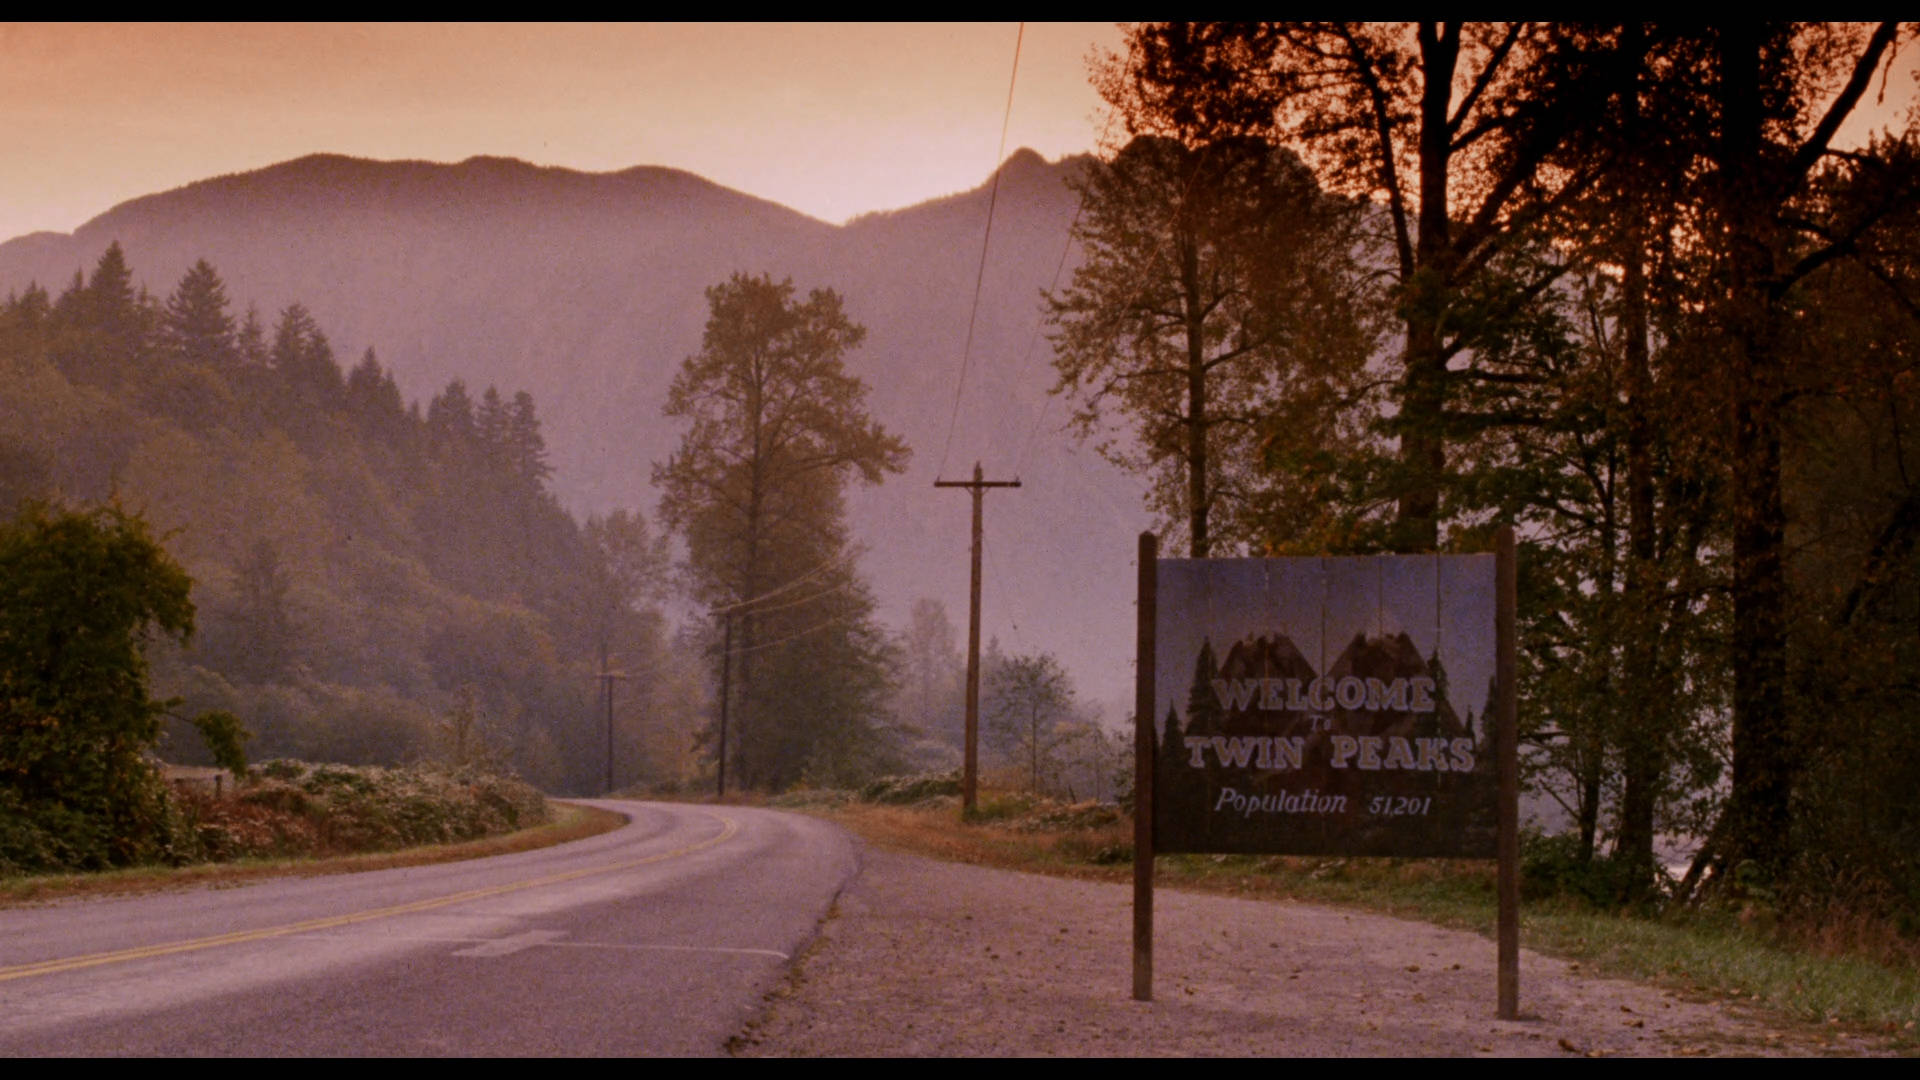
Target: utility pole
(607, 677)
(726, 670)
(969, 786)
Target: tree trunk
(1197, 496)
(1644, 742)
(1423, 384)
(1759, 811)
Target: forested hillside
(587, 291)
(374, 581)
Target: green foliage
(1024, 700)
(354, 563)
(1653, 320)
(906, 790)
(226, 740)
(1563, 866)
(81, 596)
(1217, 284)
(294, 808)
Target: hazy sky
(832, 120)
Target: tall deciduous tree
(1779, 93)
(776, 427)
(1215, 277)
(1455, 131)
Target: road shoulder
(929, 958)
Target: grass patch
(1859, 990)
(567, 822)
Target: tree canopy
(1642, 299)
(82, 596)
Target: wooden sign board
(1326, 706)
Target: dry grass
(570, 822)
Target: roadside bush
(904, 790)
(812, 798)
(1550, 867)
(369, 808)
(81, 596)
(1047, 816)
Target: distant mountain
(587, 289)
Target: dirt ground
(927, 958)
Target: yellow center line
(73, 963)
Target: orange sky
(832, 120)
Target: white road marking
(507, 946)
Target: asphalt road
(658, 938)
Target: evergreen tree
(197, 327)
(373, 397)
(267, 635)
(490, 427)
(250, 342)
(112, 308)
(303, 358)
(450, 423)
(526, 449)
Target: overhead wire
(815, 628)
(1066, 248)
(993, 199)
(832, 590)
(1118, 319)
(738, 605)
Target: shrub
(81, 594)
(904, 790)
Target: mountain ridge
(587, 289)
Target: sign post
(1328, 706)
(1507, 700)
(1143, 758)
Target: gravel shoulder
(929, 958)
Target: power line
(1117, 322)
(737, 605)
(993, 199)
(1066, 246)
(816, 627)
(831, 590)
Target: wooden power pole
(608, 677)
(726, 671)
(969, 786)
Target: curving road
(658, 938)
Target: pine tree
(490, 427)
(450, 423)
(525, 447)
(196, 326)
(250, 343)
(303, 358)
